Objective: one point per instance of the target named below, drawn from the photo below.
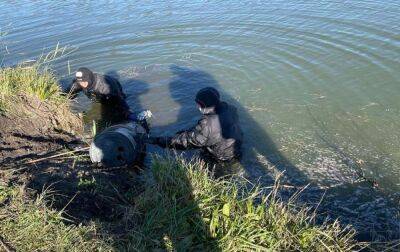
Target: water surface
(316, 82)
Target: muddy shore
(28, 142)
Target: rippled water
(316, 82)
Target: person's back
(225, 136)
(106, 89)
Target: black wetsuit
(107, 91)
(104, 89)
(217, 133)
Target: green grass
(28, 81)
(181, 208)
(32, 91)
(29, 225)
(33, 78)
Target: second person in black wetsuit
(217, 133)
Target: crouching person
(103, 89)
(217, 133)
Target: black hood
(84, 74)
(208, 97)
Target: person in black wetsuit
(100, 88)
(217, 133)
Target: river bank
(50, 202)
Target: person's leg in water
(220, 168)
(114, 111)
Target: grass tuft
(32, 78)
(31, 225)
(31, 90)
(182, 208)
(27, 81)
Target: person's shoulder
(109, 79)
(204, 124)
(225, 107)
(98, 76)
(104, 78)
(229, 111)
(230, 105)
(206, 119)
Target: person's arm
(141, 119)
(125, 110)
(123, 95)
(112, 87)
(73, 90)
(190, 139)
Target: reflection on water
(315, 82)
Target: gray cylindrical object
(117, 145)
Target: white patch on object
(79, 74)
(145, 114)
(96, 154)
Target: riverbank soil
(33, 127)
(31, 136)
